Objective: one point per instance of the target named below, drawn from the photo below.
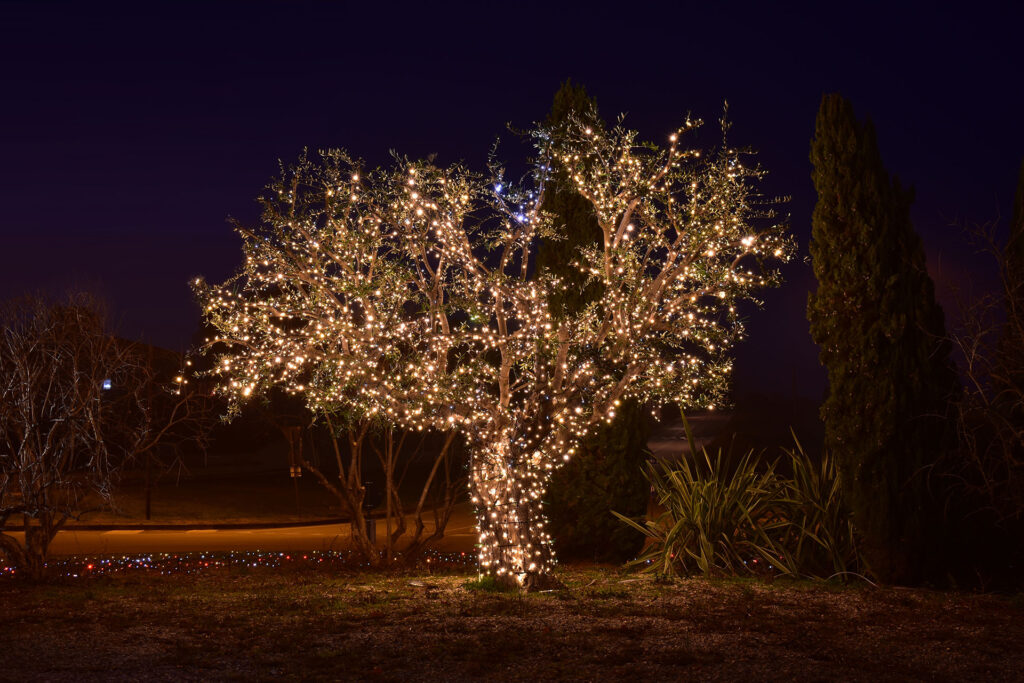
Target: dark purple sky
(130, 133)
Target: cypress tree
(1007, 374)
(607, 472)
(882, 341)
(1011, 361)
(574, 215)
(1015, 245)
(1012, 346)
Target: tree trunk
(508, 489)
(442, 508)
(389, 486)
(348, 491)
(37, 543)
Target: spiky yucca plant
(747, 519)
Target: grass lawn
(296, 622)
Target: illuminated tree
(608, 472)
(312, 313)
(409, 295)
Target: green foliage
(575, 224)
(820, 539)
(747, 518)
(606, 475)
(1011, 350)
(714, 522)
(607, 472)
(1015, 244)
(488, 583)
(882, 341)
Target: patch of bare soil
(231, 624)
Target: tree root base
(530, 583)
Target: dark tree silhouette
(988, 470)
(882, 342)
(1012, 347)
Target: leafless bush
(343, 474)
(77, 405)
(990, 467)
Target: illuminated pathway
(460, 535)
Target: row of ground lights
(193, 563)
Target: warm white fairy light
(406, 295)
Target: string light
(201, 562)
(406, 295)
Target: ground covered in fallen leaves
(313, 624)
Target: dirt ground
(301, 623)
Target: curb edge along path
(211, 526)
(460, 535)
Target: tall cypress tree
(1015, 245)
(607, 472)
(1012, 343)
(883, 344)
(574, 216)
(1008, 369)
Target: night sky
(130, 134)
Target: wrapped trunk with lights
(409, 296)
(507, 492)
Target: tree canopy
(406, 294)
